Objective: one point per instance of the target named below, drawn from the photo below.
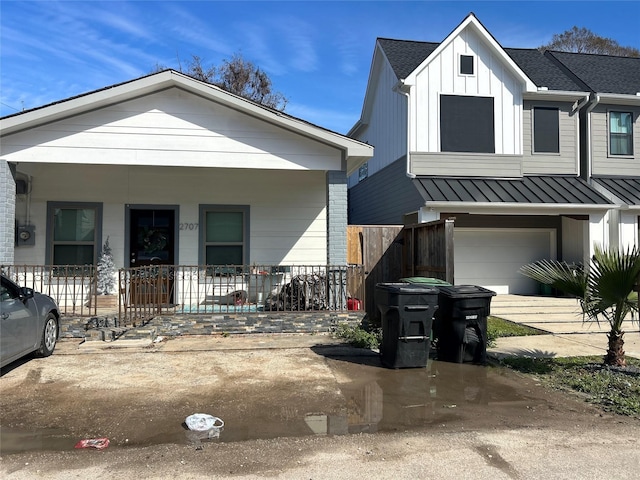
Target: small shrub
(360, 337)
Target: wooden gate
(391, 252)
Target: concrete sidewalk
(567, 334)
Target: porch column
(629, 229)
(597, 234)
(336, 217)
(7, 214)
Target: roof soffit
(472, 22)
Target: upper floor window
(73, 233)
(466, 65)
(620, 133)
(546, 130)
(363, 171)
(467, 124)
(225, 234)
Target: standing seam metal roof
(626, 189)
(527, 190)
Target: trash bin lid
(425, 281)
(407, 288)
(466, 291)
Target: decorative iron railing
(73, 287)
(147, 291)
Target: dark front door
(152, 242)
(152, 237)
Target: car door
(18, 324)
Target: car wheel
(49, 336)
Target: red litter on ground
(97, 443)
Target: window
(620, 133)
(73, 232)
(546, 130)
(466, 124)
(466, 65)
(363, 171)
(224, 234)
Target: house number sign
(188, 226)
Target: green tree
(583, 40)
(605, 290)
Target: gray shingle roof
(533, 190)
(542, 70)
(405, 55)
(626, 189)
(554, 70)
(602, 73)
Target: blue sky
(317, 53)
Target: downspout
(400, 88)
(587, 118)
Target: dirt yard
(294, 407)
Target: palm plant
(605, 290)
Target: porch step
(146, 332)
(105, 334)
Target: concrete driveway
(561, 318)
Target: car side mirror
(26, 293)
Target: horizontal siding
(602, 162)
(383, 198)
(170, 128)
(567, 161)
(466, 165)
(287, 209)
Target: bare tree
(583, 40)
(238, 76)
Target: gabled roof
(601, 73)
(405, 56)
(355, 151)
(545, 191)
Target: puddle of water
(374, 399)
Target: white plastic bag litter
(202, 422)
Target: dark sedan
(29, 322)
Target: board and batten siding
(386, 129)
(170, 128)
(287, 208)
(602, 162)
(567, 161)
(492, 79)
(384, 198)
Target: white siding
(287, 209)
(386, 130)
(602, 162)
(492, 79)
(170, 128)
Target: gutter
(467, 206)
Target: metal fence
(228, 289)
(73, 287)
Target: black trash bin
(407, 313)
(461, 323)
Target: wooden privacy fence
(391, 252)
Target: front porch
(170, 300)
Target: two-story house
(611, 135)
(489, 135)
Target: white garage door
(491, 258)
